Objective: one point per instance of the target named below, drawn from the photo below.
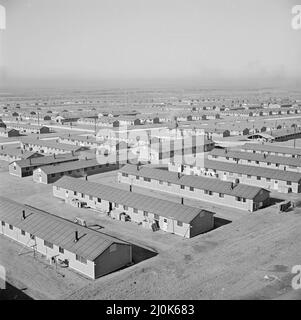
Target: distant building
(253, 159)
(28, 129)
(11, 154)
(49, 146)
(270, 179)
(83, 141)
(82, 168)
(240, 196)
(25, 167)
(272, 149)
(8, 133)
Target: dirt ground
(250, 258)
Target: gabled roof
(17, 152)
(271, 148)
(68, 166)
(203, 183)
(255, 157)
(55, 229)
(167, 209)
(42, 161)
(253, 170)
(51, 144)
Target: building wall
(273, 153)
(226, 200)
(202, 223)
(270, 184)
(112, 259)
(15, 234)
(41, 177)
(165, 224)
(263, 164)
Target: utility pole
(295, 136)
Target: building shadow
(13, 293)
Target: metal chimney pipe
(76, 236)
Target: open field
(228, 262)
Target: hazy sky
(151, 39)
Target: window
(135, 210)
(160, 181)
(11, 227)
(249, 176)
(53, 175)
(269, 163)
(69, 172)
(210, 193)
(81, 259)
(249, 161)
(182, 187)
(268, 179)
(137, 177)
(244, 199)
(145, 213)
(289, 183)
(98, 200)
(147, 179)
(277, 165)
(221, 195)
(61, 250)
(125, 207)
(179, 223)
(156, 217)
(32, 237)
(75, 193)
(23, 232)
(48, 244)
(2, 223)
(125, 175)
(206, 191)
(238, 198)
(165, 220)
(258, 178)
(191, 188)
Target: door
(164, 224)
(110, 206)
(276, 185)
